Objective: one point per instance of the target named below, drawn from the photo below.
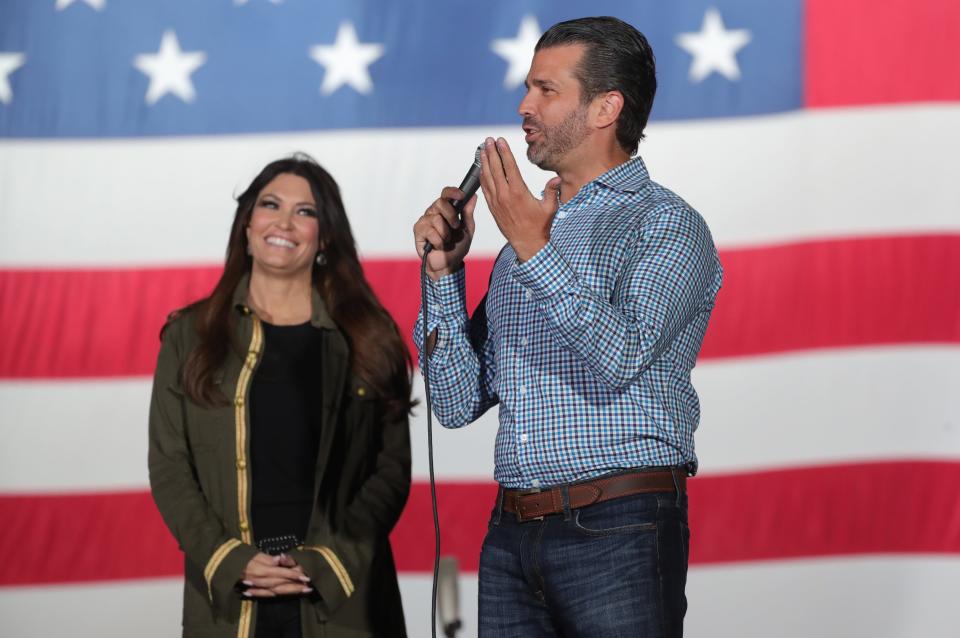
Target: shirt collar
(628, 177)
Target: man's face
(554, 117)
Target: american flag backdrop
(819, 139)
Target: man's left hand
(522, 218)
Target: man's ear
(608, 106)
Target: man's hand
(523, 219)
(449, 236)
(271, 576)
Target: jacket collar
(319, 318)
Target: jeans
(617, 568)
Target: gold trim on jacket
(243, 476)
(240, 413)
(214, 563)
(336, 566)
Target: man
(593, 320)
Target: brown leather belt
(534, 504)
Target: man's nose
(526, 106)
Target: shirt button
(535, 483)
(528, 294)
(562, 214)
(523, 341)
(523, 389)
(523, 438)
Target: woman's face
(283, 234)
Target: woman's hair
(377, 353)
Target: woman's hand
(270, 576)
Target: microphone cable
(433, 483)
(469, 186)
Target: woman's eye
(307, 212)
(268, 204)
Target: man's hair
(617, 57)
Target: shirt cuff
(447, 296)
(446, 304)
(545, 274)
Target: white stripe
(828, 406)
(812, 408)
(808, 174)
(74, 436)
(820, 173)
(881, 597)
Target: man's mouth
(532, 132)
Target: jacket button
(238, 402)
(246, 310)
(361, 392)
(244, 526)
(251, 359)
(241, 464)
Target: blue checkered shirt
(588, 345)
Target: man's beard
(557, 141)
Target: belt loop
(565, 500)
(498, 510)
(676, 483)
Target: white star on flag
(169, 69)
(9, 62)
(96, 4)
(518, 51)
(714, 48)
(346, 61)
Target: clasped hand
(269, 576)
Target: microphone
(469, 186)
(448, 597)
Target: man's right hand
(449, 237)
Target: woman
(279, 442)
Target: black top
(285, 406)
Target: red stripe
(875, 508)
(820, 294)
(90, 323)
(881, 51)
(841, 293)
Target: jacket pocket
(209, 429)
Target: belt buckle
(518, 513)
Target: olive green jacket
(200, 479)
